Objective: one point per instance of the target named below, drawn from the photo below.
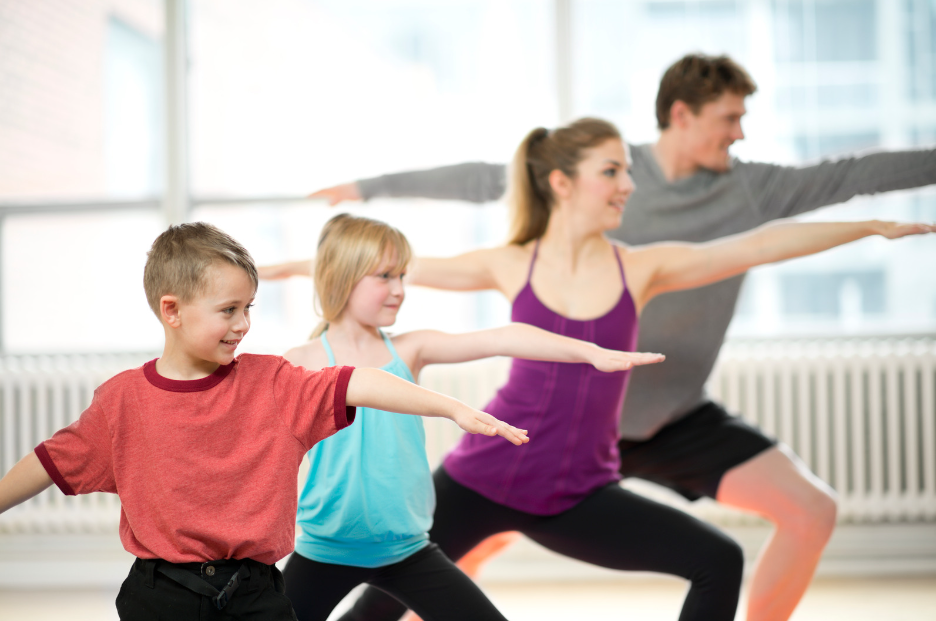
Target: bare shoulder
(520, 253)
(310, 355)
(511, 265)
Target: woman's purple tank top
(570, 410)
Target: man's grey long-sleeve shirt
(688, 326)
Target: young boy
(204, 448)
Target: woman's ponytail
(542, 151)
(529, 204)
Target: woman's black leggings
(427, 581)
(612, 528)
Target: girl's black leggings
(612, 528)
(427, 581)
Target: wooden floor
(647, 599)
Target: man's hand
(338, 193)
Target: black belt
(197, 584)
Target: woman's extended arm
(519, 340)
(285, 270)
(672, 267)
(490, 268)
(373, 388)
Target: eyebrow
(235, 302)
(615, 162)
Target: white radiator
(861, 413)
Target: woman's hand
(611, 360)
(896, 230)
(476, 421)
(338, 193)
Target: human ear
(560, 184)
(679, 114)
(169, 310)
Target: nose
(627, 184)
(242, 325)
(396, 286)
(738, 133)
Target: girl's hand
(896, 230)
(610, 360)
(475, 421)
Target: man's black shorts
(691, 455)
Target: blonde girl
(366, 509)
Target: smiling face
(377, 297)
(212, 325)
(708, 135)
(603, 184)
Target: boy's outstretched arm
(520, 340)
(24, 480)
(373, 388)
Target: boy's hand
(475, 421)
(610, 360)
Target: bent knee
(722, 560)
(812, 518)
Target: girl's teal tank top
(369, 498)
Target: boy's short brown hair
(180, 256)
(697, 79)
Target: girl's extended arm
(520, 340)
(373, 388)
(24, 480)
(673, 267)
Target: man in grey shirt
(690, 189)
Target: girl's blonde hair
(349, 248)
(530, 197)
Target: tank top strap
(533, 261)
(328, 349)
(389, 344)
(617, 255)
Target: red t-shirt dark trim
(205, 383)
(43, 454)
(344, 413)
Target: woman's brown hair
(530, 196)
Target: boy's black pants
(148, 594)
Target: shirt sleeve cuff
(344, 413)
(369, 188)
(46, 460)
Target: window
(833, 294)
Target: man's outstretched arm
(782, 191)
(476, 182)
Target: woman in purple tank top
(568, 187)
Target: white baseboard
(98, 560)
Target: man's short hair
(697, 79)
(180, 257)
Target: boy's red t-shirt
(205, 469)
